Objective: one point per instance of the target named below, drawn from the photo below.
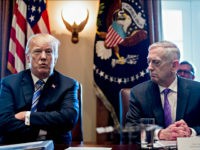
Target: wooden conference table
(48, 144)
(113, 146)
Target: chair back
(77, 132)
(124, 98)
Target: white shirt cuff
(156, 134)
(27, 118)
(193, 132)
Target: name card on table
(39, 145)
(189, 143)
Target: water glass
(147, 132)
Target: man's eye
(37, 51)
(48, 51)
(156, 62)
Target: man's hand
(184, 127)
(175, 130)
(20, 115)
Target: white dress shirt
(28, 113)
(172, 97)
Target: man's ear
(55, 61)
(193, 77)
(28, 58)
(175, 65)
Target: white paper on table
(39, 145)
(165, 143)
(189, 143)
(88, 148)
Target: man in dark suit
(29, 113)
(186, 70)
(182, 101)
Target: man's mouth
(153, 75)
(43, 65)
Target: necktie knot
(39, 84)
(166, 91)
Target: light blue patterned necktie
(38, 88)
(167, 108)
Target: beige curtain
(154, 14)
(6, 7)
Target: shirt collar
(35, 79)
(172, 86)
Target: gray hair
(44, 37)
(172, 51)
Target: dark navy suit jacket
(57, 109)
(146, 103)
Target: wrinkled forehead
(40, 42)
(156, 53)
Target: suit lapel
(182, 100)
(27, 86)
(157, 105)
(48, 93)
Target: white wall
(182, 28)
(76, 60)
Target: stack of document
(184, 143)
(189, 143)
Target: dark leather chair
(124, 97)
(77, 132)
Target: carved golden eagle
(75, 29)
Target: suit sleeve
(8, 123)
(134, 112)
(61, 117)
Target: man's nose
(43, 55)
(182, 74)
(150, 66)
